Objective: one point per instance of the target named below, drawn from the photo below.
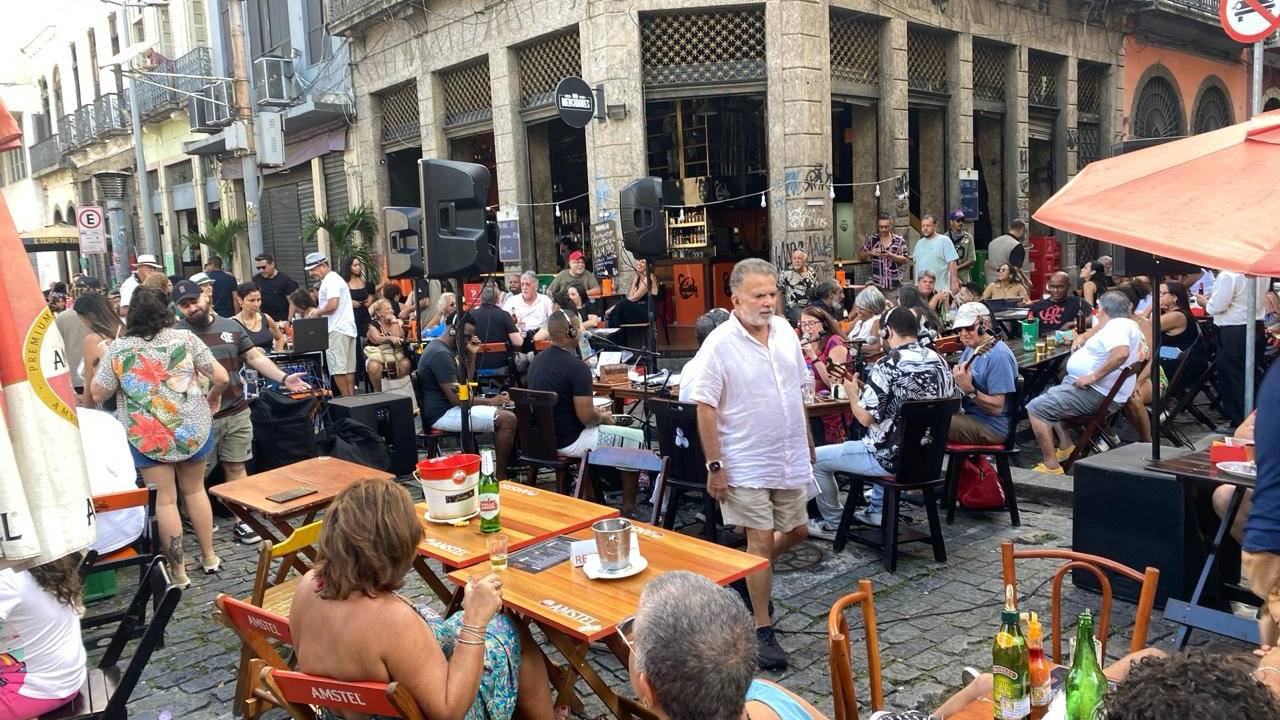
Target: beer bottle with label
(1085, 683)
(1010, 676)
(1039, 669)
(490, 522)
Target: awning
(51, 238)
(296, 153)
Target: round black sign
(575, 102)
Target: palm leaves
(343, 231)
(220, 238)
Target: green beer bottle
(1085, 683)
(1010, 666)
(490, 522)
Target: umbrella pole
(1250, 344)
(1156, 276)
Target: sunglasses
(261, 267)
(626, 632)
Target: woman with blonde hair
(440, 318)
(349, 624)
(384, 346)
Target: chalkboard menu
(604, 248)
(508, 235)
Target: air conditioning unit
(221, 100)
(273, 80)
(270, 139)
(200, 113)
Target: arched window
(1157, 112)
(1213, 111)
(57, 215)
(57, 92)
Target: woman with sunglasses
(822, 343)
(1008, 285)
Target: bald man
(1060, 309)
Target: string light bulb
(877, 189)
(557, 209)
(764, 203)
(680, 218)
(831, 191)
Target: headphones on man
(884, 320)
(572, 330)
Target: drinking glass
(496, 545)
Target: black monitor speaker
(455, 240)
(403, 226)
(643, 232)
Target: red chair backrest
(369, 698)
(251, 620)
(120, 500)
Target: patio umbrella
(1208, 199)
(46, 508)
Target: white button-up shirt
(1229, 304)
(756, 391)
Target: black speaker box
(644, 233)
(1136, 517)
(391, 416)
(455, 240)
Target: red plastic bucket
(449, 485)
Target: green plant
(220, 238)
(343, 230)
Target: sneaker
(820, 529)
(769, 654)
(179, 579)
(245, 534)
(1064, 453)
(211, 567)
(1041, 468)
(874, 519)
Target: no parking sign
(93, 231)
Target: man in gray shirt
(72, 329)
(1007, 248)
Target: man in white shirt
(111, 470)
(530, 309)
(710, 320)
(334, 300)
(1229, 306)
(147, 265)
(751, 420)
(937, 254)
(1092, 370)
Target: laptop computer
(310, 335)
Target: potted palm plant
(220, 238)
(350, 236)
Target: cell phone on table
(285, 496)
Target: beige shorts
(1263, 571)
(341, 354)
(765, 508)
(232, 438)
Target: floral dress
(159, 397)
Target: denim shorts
(141, 461)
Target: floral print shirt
(886, 273)
(159, 397)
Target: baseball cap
(88, 281)
(576, 255)
(185, 290)
(956, 215)
(314, 259)
(200, 279)
(969, 314)
(149, 260)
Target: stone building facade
(852, 91)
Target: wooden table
(822, 408)
(574, 611)
(529, 516)
(247, 498)
(1190, 469)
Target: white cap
(149, 260)
(314, 259)
(969, 314)
(201, 279)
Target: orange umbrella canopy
(1211, 199)
(10, 133)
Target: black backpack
(356, 442)
(283, 430)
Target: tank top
(777, 700)
(262, 339)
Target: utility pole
(1251, 322)
(149, 235)
(244, 108)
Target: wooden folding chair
(839, 656)
(257, 629)
(622, 459)
(1101, 419)
(536, 433)
(1094, 564)
(296, 692)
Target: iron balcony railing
(1207, 7)
(162, 88)
(85, 125)
(67, 130)
(110, 114)
(46, 154)
(156, 90)
(199, 65)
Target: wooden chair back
(1094, 564)
(839, 655)
(1101, 417)
(296, 692)
(257, 628)
(288, 549)
(535, 426)
(924, 437)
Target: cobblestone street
(933, 618)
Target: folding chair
(1176, 397)
(623, 459)
(839, 656)
(138, 553)
(1094, 564)
(296, 692)
(258, 629)
(1101, 420)
(924, 432)
(957, 453)
(106, 691)
(536, 433)
(680, 444)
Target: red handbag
(979, 485)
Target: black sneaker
(769, 654)
(245, 534)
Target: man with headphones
(986, 374)
(908, 371)
(580, 425)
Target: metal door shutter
(336, 201)
(282, 213)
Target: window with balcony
(15, 166)
(165, 30)
(75, 74)
(317, 37)
(198, 23)
(268, 27)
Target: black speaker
(455, 240)
(643, 232)
(391, 416)
(403, 226)
(1137, 517)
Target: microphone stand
(651, 360)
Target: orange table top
(564, 597)
(328, 475)
(529, 516)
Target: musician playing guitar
(986, 374)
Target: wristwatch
(715, 466)
(972, 394)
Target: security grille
(466, 94)
(855, 49)
(1089, 88)
(544, 64)
(180, 173)
(926, 61)
(719, 46)
(1156, 114)
(400, 114)
(1213, 111)
(988, 70)
(1042, 79)
(1089, 145)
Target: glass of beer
(496, 545)
(1051, 341)
(1041, 348)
